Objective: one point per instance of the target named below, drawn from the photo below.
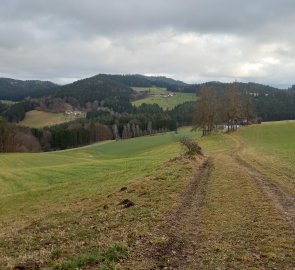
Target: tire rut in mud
(181, 228)
(283, 201)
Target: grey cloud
(188, 39)
(116, 15)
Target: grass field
(164, 102)
(9, 102)
(270, 147)
(64, 203)
(37, 119)
(61, 210)
(242, 227)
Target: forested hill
(99, 88)
(115, 92)
(138, 80)
(251, 87)
(16, 90)
(221, 87)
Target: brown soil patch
(179, 251)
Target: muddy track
(283, 201)
(181, 228)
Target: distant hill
(16, 90)
(116, 93)
(252, 87)
(137, 80)
(102, 86)
(98, 88)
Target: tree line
(276, 106)
(18, 90)
(228, 109)
(99, 125)
(16, 112)
(14, 138)
(106, 124)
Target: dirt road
(181, 228)
(283, 201)
(231, 216)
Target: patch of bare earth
(176, 243)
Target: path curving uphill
(283, 201)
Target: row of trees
(105, 124)
(5, 136)
(230, 107)
(77, 134)
(17, 139)
(16, 112)
(276, 106)
(99, 125)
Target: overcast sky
(189, 40)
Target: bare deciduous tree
(230, 107)
(205, 116)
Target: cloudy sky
(190, 40)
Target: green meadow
(53, 188)
(25, 178)
(270, 147)
(61, 210)
(37, 119)
(164, 102)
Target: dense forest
(275, 106)
(17, 90)
(144, 81)
(105, 124)
(99, 88)
(102, 125)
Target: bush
(192, 147)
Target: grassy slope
(38, 119)
(66, 203)
(270, 147)
(240, 228)
(44, 195)
(164, 102)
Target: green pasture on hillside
(57, 188)
(37, 119)
(164, 102)
(270, 147)
(277, 138)
(26, 179)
